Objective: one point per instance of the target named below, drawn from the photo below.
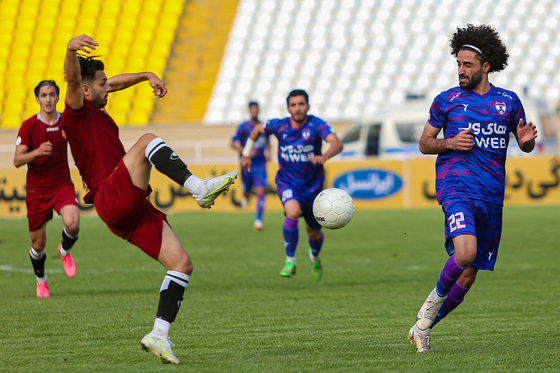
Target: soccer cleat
(420, 339)
(258, 226)
(316, 268)
(289, 269)
(428, 312)
(161, 347)
(43, 290)
(215, 187)
(68, 262)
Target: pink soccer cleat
(43, 290)
(68, 262)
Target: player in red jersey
(41, 146)
(118, 181)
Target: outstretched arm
(72, 73)
(123, 81)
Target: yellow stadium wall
(530, 181)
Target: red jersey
(47, 172)
(94, 141)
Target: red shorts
(40, 205)
(128, 214)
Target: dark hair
(43, 83)
(297, 92)
(89, 66)
(484, 38)
(253, 103)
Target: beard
(472, 82)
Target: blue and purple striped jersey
(295, 149)
(242, 133)
(480, 172)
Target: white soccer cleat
(161, 347)
(420, 339)
(215, 187)
(428, 312)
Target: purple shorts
(478, 218)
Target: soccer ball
(333, 208)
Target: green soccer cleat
(316, 268)
(289, 269)
(215, 187)
(161, 347)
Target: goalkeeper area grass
(240, 315)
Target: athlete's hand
(526, 133)
(82, 43)
(318, 159)
(463, 141)
(245, 163)
(158, 85)
(44, 149)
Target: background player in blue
(477, 119)
(300, 175)
(256, 178)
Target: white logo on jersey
(306, 134)
(490, 255)
(500, 106)
(18, 141)
(465, 105)
(455, 95)
(52, 129)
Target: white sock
(312, 257)
(42, 279)
(63, 252)
(192, 184)
(36, 254)
(291, 259)
(161, 328)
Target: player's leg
(259, 183)
(39, 212)
(70, 213)
(38, 256)
(291, 234)
(179, 268)
(315, 243)
(461, 245)
(316, 237)
(151, 150)
(261, 193)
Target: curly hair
(484, 38)
(89, 66)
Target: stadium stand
(35, 33)
(195, 60)
(354, 57)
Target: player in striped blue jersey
(300, 175)
(256, 179)
(476, 118)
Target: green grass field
(239, 315)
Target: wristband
(248, 147)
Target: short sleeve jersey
(242, 133)
(480, 172)
(296, 147)
(94, 141)
(47, 172)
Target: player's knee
(147, 138)
(38, 244)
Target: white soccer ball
(333, 208)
